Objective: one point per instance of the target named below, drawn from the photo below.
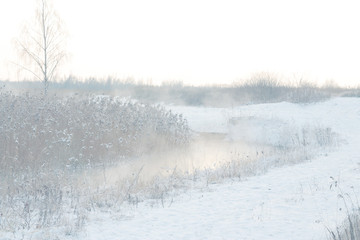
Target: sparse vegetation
(262, 88)
(349, 229)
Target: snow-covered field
(298, 201)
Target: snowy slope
(291, 202)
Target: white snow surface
(291, 202)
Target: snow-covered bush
(46, 143)
(78, 132)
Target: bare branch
(33, 56)
(27, 69)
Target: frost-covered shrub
(47, 142)
(74, 132)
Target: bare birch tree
(42, 44)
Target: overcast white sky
(200, 41)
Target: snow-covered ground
(291, 202)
